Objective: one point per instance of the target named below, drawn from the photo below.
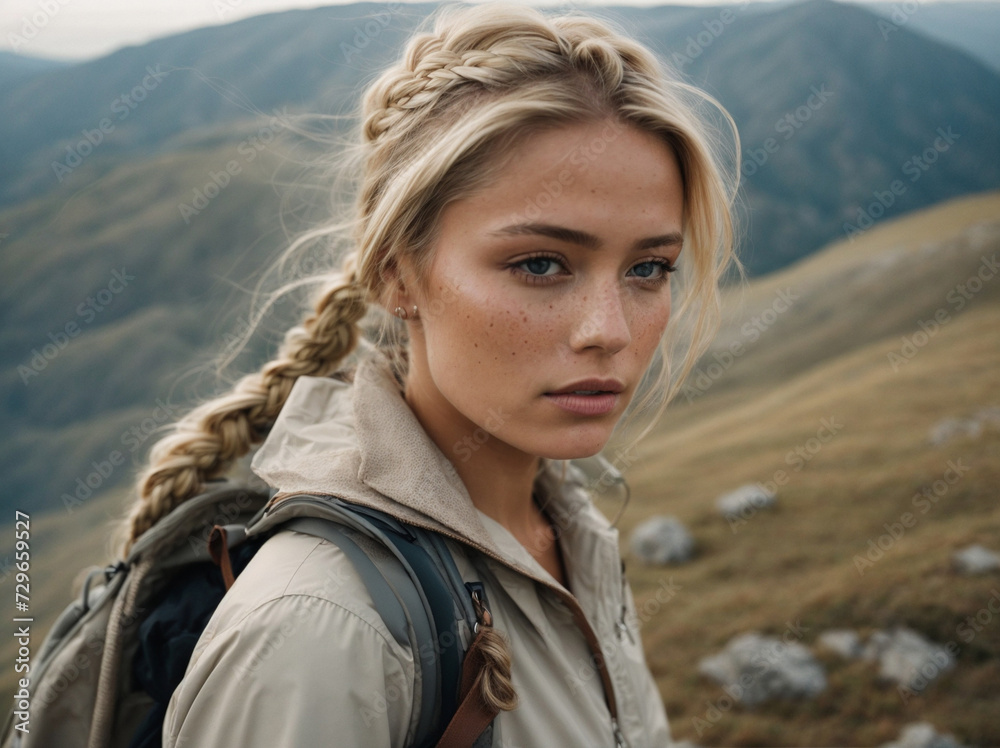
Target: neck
(499, 478)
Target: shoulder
(297, 634)
(297, 573)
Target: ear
(398, 278)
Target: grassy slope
(745, 430)
(741, 430)
(176, 313)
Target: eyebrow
(584, 239)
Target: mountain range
(839, 125)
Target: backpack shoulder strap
(385, 594)
(418, 591)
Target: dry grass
(796, 562)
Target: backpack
(107, 668)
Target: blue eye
(545, 269)
(665, 266)
(538, 265)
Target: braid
(496, 686)
(423, 84)
(495, 52)
(205, 443)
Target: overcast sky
(79, 29)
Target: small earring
(414, 311)
(400, 312)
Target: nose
(603, 320)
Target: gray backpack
(101, 680)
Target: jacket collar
(361, 441)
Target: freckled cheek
(649, 327)
(481, 328)
(520, 335)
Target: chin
(573, 447)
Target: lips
(590, 387)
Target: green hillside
(93, 355)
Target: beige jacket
(297, 656)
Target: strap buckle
(480, 604)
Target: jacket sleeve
(298, 670)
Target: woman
(527, 186)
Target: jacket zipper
(578, 615)
(621, 625)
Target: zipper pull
(620, 625)
(619, 738)
(483, 616)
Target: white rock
(844, 642)
(754, 668)
(951, 428)
(906, 657)
(745, 501)
(975, 559)
(989, 416)
(662, 540)
(922, 735)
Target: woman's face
(555, 274)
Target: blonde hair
(434, 127)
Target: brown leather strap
(218, 549)
(473, 715)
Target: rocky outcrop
(754, 668)
(922, 735)
(844, 642)
(662, 540)
(907, 658)
(975, 559)
(745, 501)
